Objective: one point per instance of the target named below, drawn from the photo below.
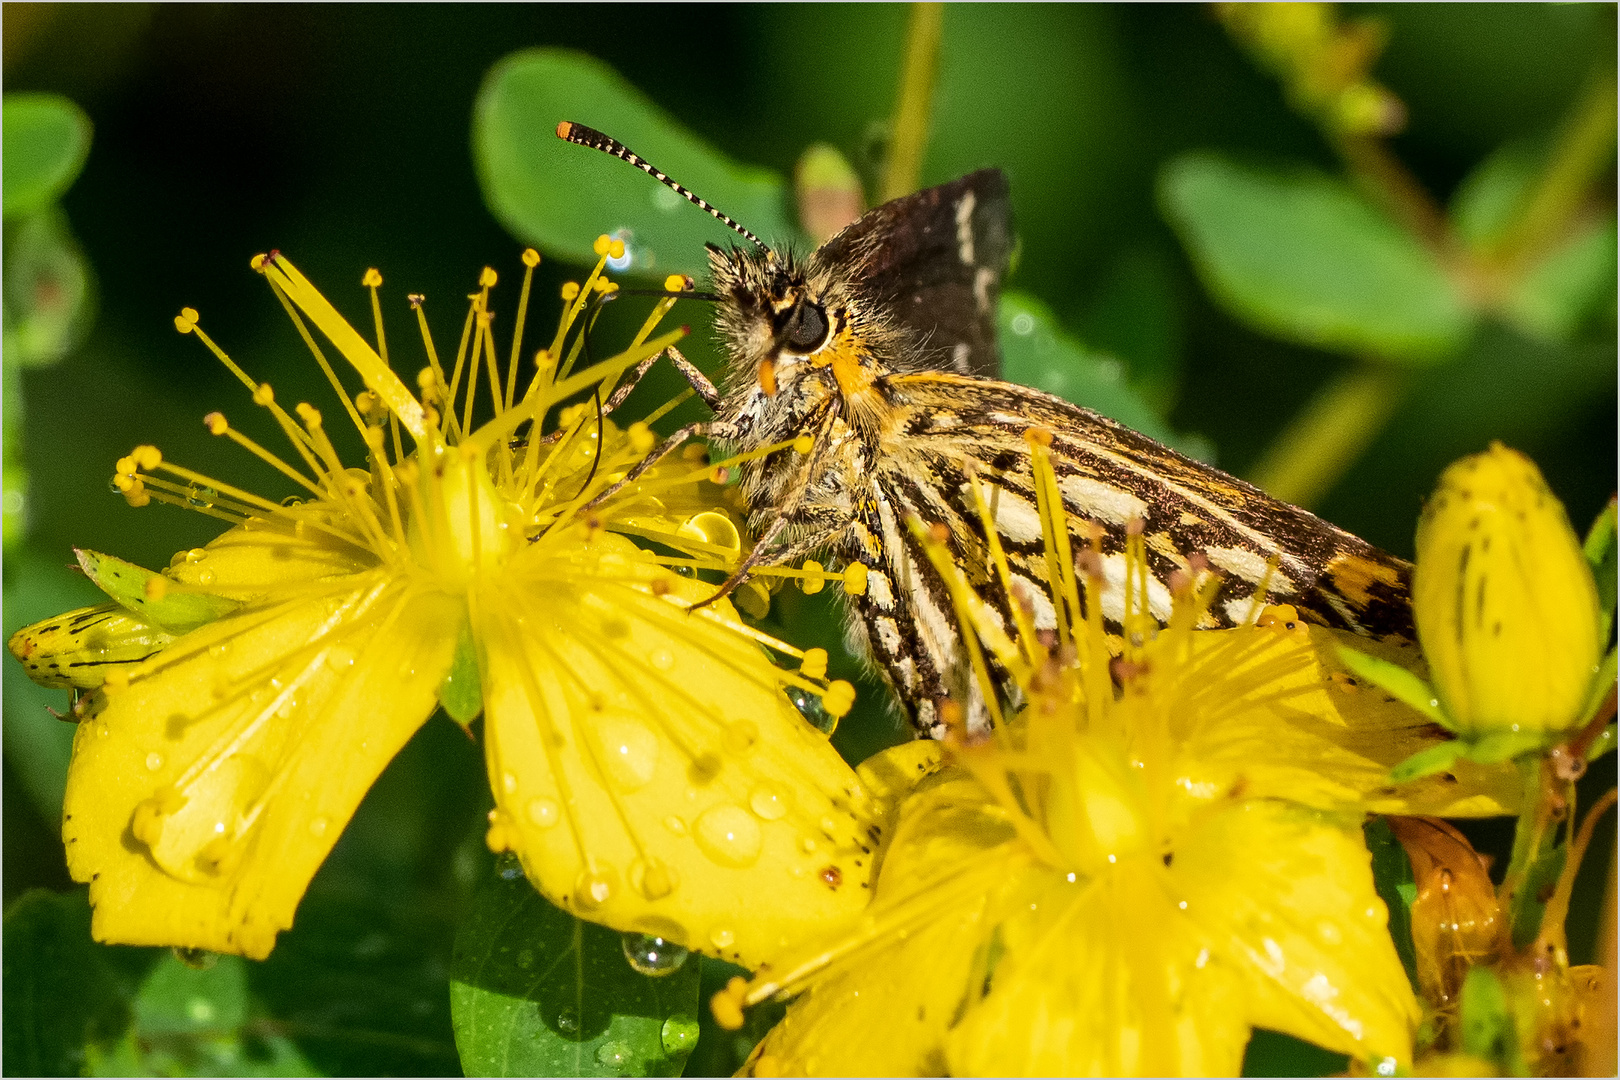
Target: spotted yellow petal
(204, 796)
(647, 767)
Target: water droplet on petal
(318, 827)
(205, 577)
(729, 835)
(1329, 932)
(807, 844)
(613, 1055)
(218, 649)
(508, 782)
(631, 751)
(544, 812)
(741, 736)
(653, 878)
(810, 707)
(653, 955)
(767, 802)
(593, 888)
(154, 761)
(340, 658)
(675, 825)
(568, 1021)
(722, 938)
(661, 659)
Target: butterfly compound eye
(806, 329)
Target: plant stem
(908, 131)
(1306, 460)
(1386, 178)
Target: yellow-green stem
(1327, 437)
(908, 131)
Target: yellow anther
(1038, 436)
(425, 379)
(309, 414)
(216, 423)
(263, 394)
(600, 246)
(602, 284)
(642, 438)
(186, 321)
(374, 437)
(720, 475)
(675, 283)
(147, 457)
(487, 278)
(812, 585)
(839, 698)
(531, 258)
(1279, 615)
(372, 279)
(542, 359)
(416, 300)
(814, 665)
(727, 1004)
(123, 479)
(802, 444)
(258, 262)
(570, 290)
(855, 579)
(616, 249)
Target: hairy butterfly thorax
(864, 375)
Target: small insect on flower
(1120, 883)
(649, 769)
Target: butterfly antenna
(581, 135)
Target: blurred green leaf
(49, 294)
(1136, 315)
(37, 744)
(1271, 1053)
(1488, 199)
(560, 197)
(1037, 352)
(47, 138)
(1486, 1022)
(1392, 877)
(61, 994)
(1556, 295)
(1301, 256)
(720, 1052)
(536, 992)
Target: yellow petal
(648, 769)
(202, 800)
(1287, 894)
(264, 555)
(1273, 711)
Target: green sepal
(1487, 1022)
(1602, 744)
(1601, 685)
(1601, 549)
(1404, 685)
(1428, 761)
(1392, 877)
(462, 692)
(176, 609)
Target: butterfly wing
(935, 260)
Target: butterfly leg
(657, 454)
(700, 382)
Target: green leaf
(1487, 1022)
(536, 992)
(1554, 297)
(1601, 554)
(1400, 682)
(1392, 877)
(1500, 746)
(560, 197)
(174, 609)
(49, 290)
(1036, 351)
(1301, 256)
(61, 995)
(1428, 761)
(1489, 198)
(462, 693)
(47, 138)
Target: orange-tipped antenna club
(581, 135)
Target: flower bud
(1506, 608)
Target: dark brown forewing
(936, 259)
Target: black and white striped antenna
(581, 135)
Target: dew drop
(205, 577)
(593, 888)
(218, 649)
(508, 782)
(631, 750)
(661, 659)
(340, 658)
(741, 736)
(613, 1055)
(678, 1034)
(807, 844)
(196, 555)
(525, 958)
(568, 1021)
(508, 867)
(810, 707)
(1329, 932)
(767, 803)
(653, 878)
(675, 825)
(154, 761)
(544, 812)
(653, 955)
(722, 938)
(729, 835)
(318, 827)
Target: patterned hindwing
(933, 261)
(947, 428)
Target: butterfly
(880, 347)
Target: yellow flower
(648, 767)
(1123, 884)
(1506, 607)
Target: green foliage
(61, 993)
(1486, 1021)
(1301, 256)
(557, 196)
(176, 611)
(462, 693)
(47, 138)
(537, 992)
(1392, 877)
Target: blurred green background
(342, 135)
